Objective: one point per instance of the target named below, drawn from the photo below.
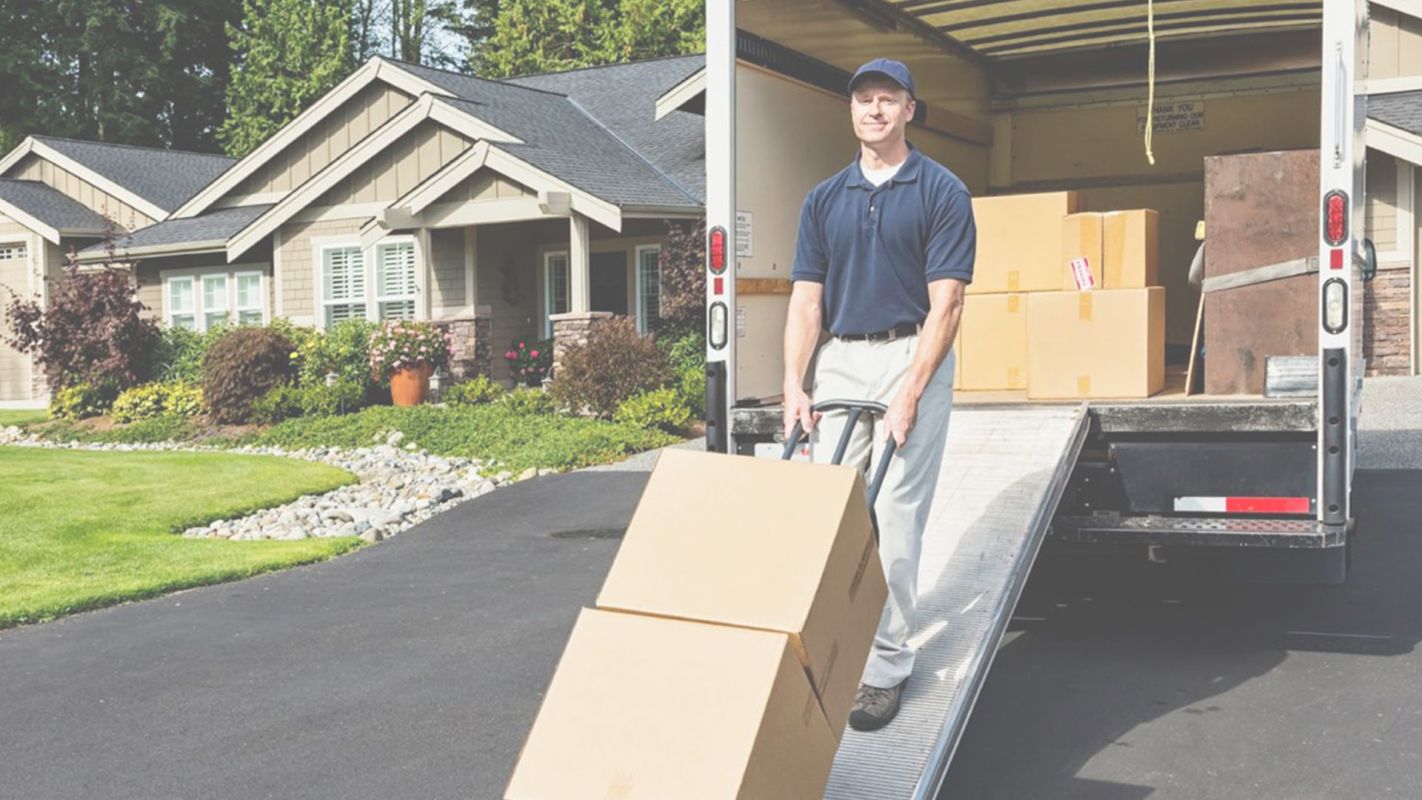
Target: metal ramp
(1003, 474)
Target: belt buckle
(893, 335)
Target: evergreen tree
(288, 53)
(532, 36)
(653, 28)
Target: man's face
(880, 110)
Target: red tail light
(716, 246)
(1335, 217)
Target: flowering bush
(530, 361)
(402, 344)
(343, 349)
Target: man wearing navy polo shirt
(885, 250)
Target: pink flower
(521, 345)
(534, 354)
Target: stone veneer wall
(1387, 333)
(472, 349)
(573, 329)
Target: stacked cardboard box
(725, 650)
(1064, 304)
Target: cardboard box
(1020, 242)
(643, 708)
(1131, 249)
(995, 339)
(773, 545)
(1100, 344)
(1081, 238)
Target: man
(885, 250)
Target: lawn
(21, 416)
(84, 529)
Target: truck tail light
(716, 249)
(1335, 305)
(1335, 217)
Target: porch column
(579, 270)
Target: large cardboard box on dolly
(994, 330)
(759, 543)
(1099, 344)
(1020, 242)
(643, 708)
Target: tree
(653, 28)
(288, 53)
(683, 279)
(532, 36)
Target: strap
(1257, 275)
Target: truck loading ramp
(1003, 474)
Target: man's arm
(802, 333)
(945, 299)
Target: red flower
(534, 354)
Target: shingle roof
(624, 98)
(214, 226)
(1400, 110)
(165, 178)
(564, 137)
(49, 206)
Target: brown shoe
(875, 707)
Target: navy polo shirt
(875, 248)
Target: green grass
(81, 530)
(22, 417)
(515, 440)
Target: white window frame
(413, 297)
(237, 309)
(230, 273)
(372, 299)
(548, 311)
(225, 299)
(637, 252)
(14, 251)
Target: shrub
(476, 391)
(660, 408)
(616, 363)
(91, 331)
(343, 349)
(683, 280)
(81, 401)
(401, 344)
(241, 367)
(530, 363)
(281, 402)
(687, 356)
(155, 400)
(525, 401)
(343, 397)
(179, 352)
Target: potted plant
(407, 352)
(530, 361)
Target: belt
(897, 332)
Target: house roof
(49, 206)
(1398, 109)
(583, 141)
(624, 96)
(163, 177)
(212, 229)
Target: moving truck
(1028, 96)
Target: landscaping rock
(531, 472)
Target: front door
(608, 287)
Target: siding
(400, 167)
(298, 283)
(327, 140)
(485, 185)
(1396, 47)
(1381, 209)
(447, 271)
(34, 168)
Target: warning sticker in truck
(1175, 116)
(744, 223)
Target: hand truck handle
(856, 408)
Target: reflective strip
(1244, 505)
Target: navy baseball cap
(889, 68)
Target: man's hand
(798, 409)
(901, 416)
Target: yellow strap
(1150, 82)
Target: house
(1392, 337)
(501, 209)
(55, 197)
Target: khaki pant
(855, 370)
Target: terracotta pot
(410, 386)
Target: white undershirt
(879, 176)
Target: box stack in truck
(1064, 304)
(726, 647)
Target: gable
(37, 168)
(485, 184)
(336, 133)
(400, 167)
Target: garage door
(14, 366)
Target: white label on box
(744, 221)
(1082, 274)
(740, 322)
(1177, 116)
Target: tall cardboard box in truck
(1100, 344)
(643, 708)
(1131, 249)
(1020, 242)
(758, 543)
(995, 339)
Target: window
(395, 280)
(10, 251)
(250, 309)
(342, 284)
(649, 287)
(180, 303)
(214, 301)
(555, 282)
